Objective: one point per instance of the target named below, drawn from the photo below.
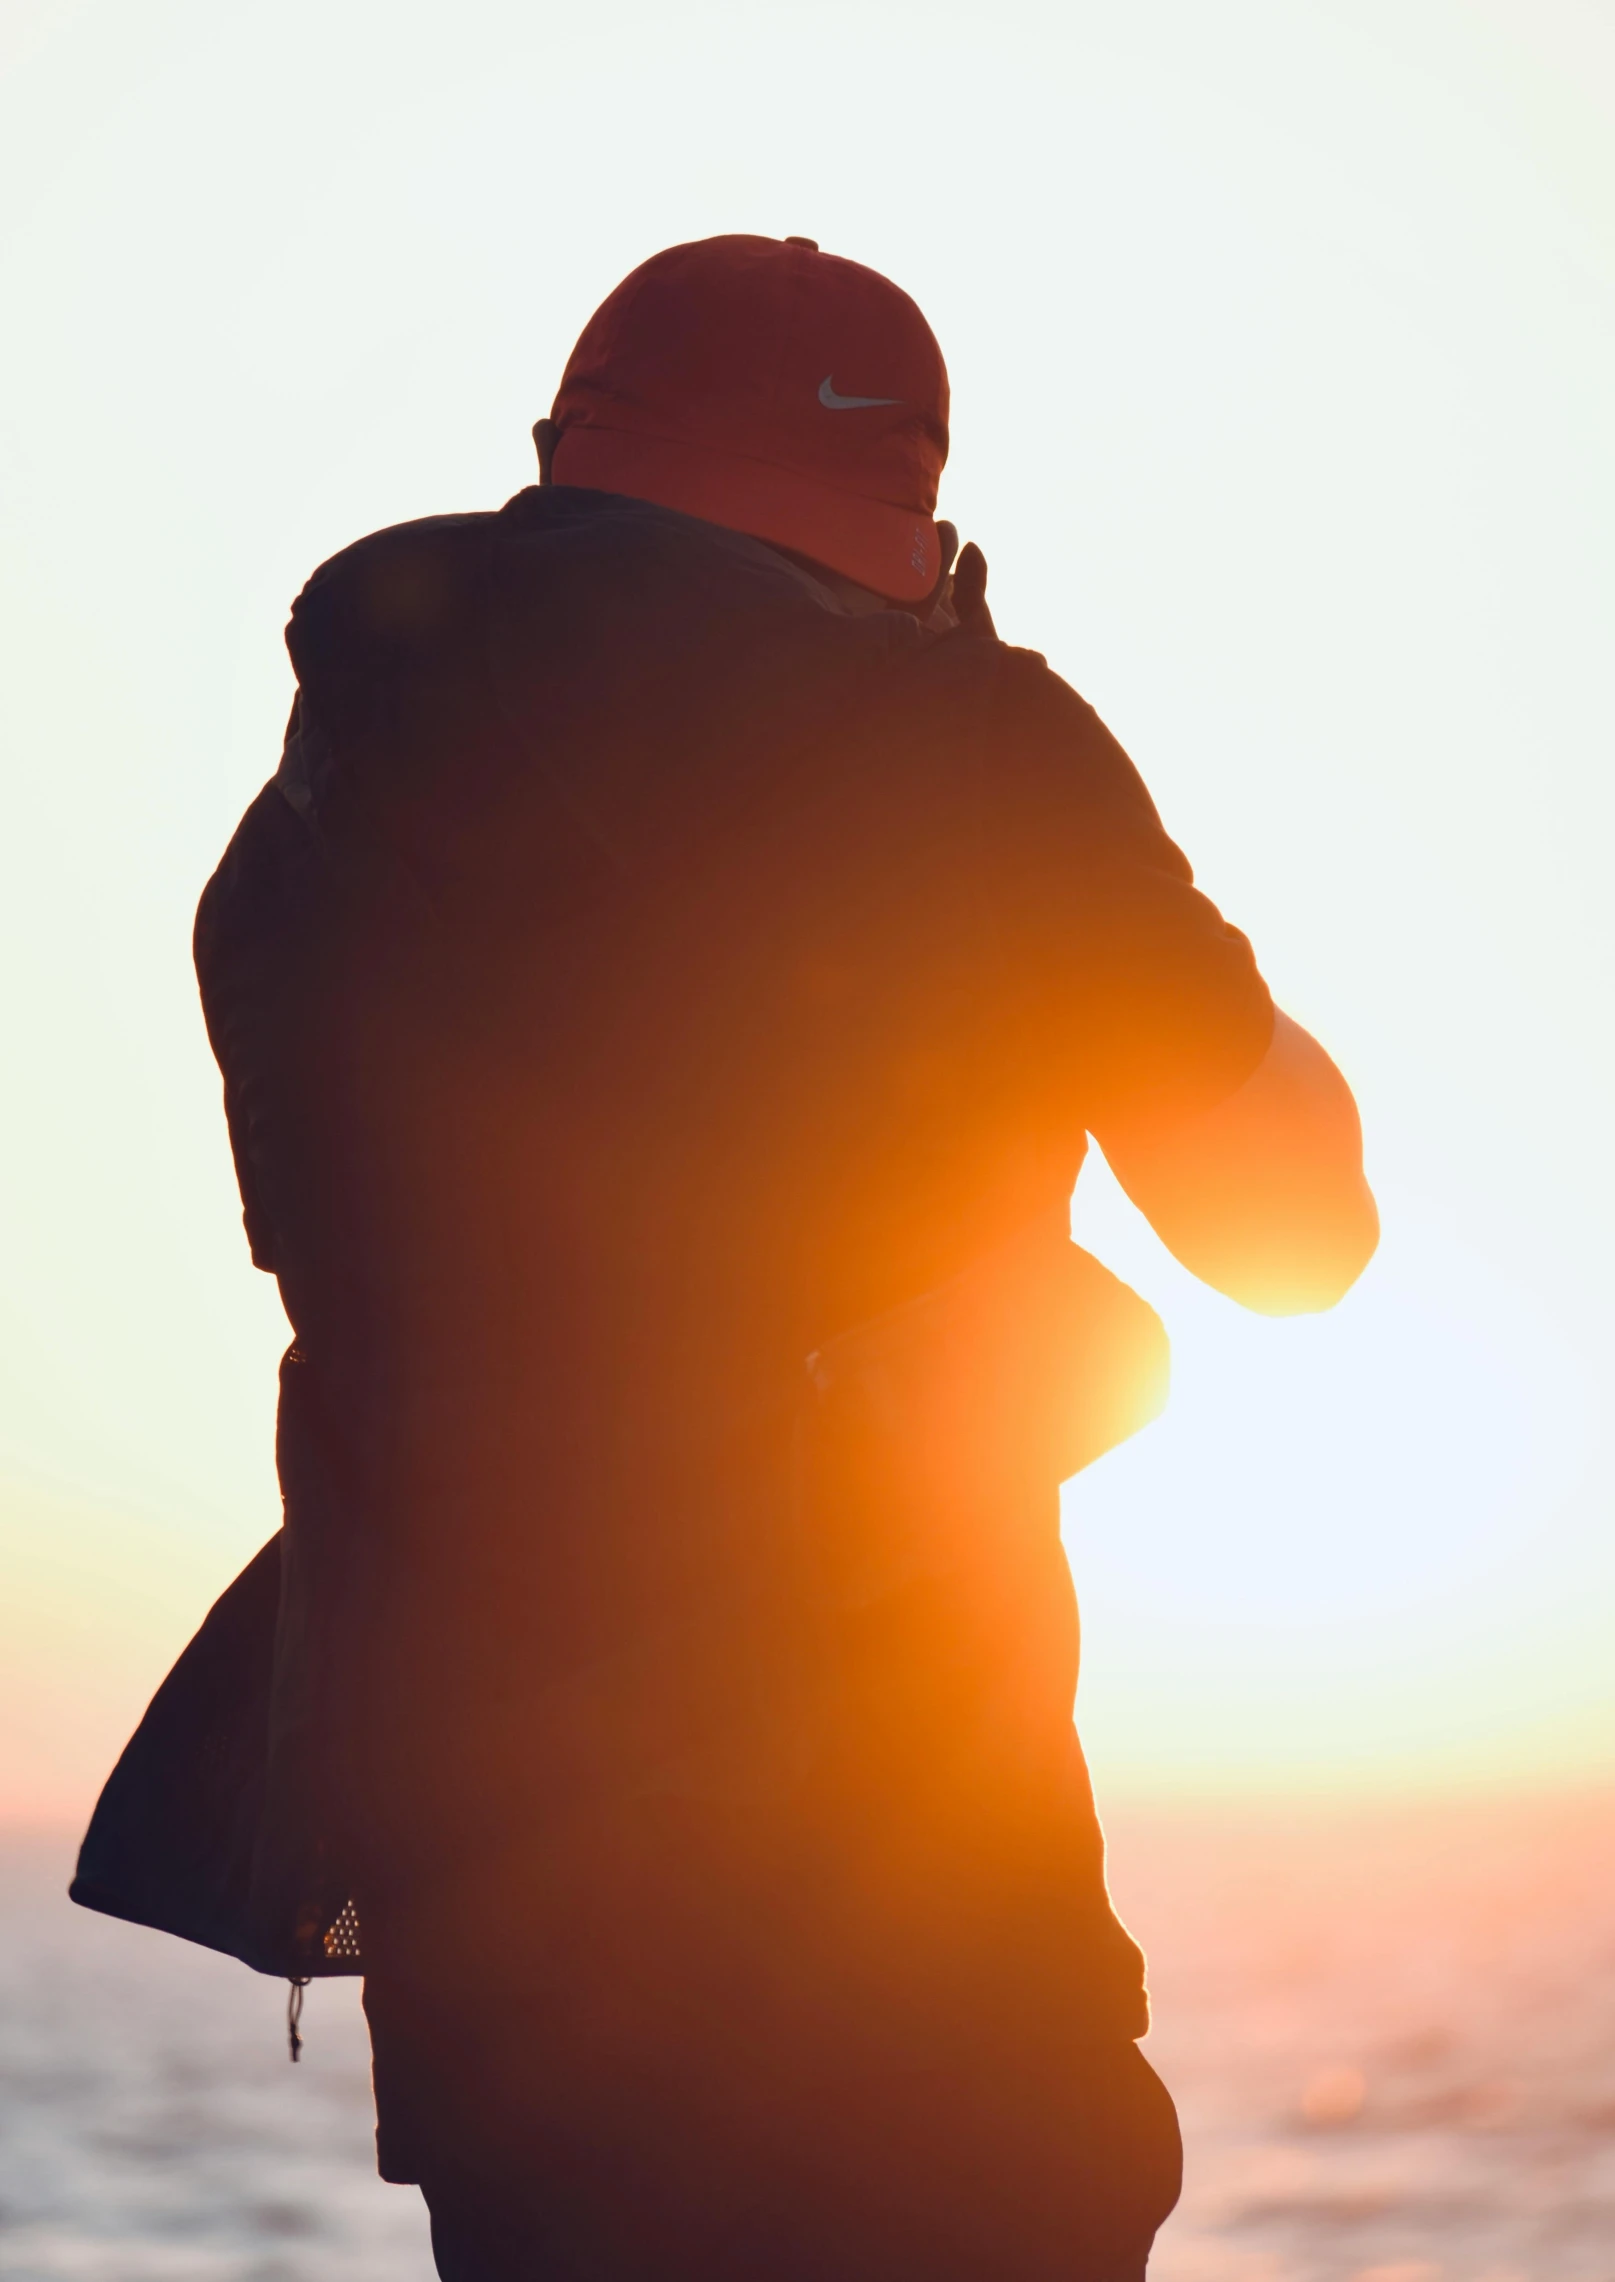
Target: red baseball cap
(763, 385)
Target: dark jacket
(660, 1018)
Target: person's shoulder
(405, 582)
(369, 561)
(1039, 746)
(388, 593)
(1017, 690)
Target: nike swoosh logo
(834, 403)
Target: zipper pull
(294, 2015)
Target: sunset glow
(658, 1023)
(1282, 353)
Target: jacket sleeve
(1131, 969)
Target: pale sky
(1283, 348)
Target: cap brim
(894, 551)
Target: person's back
(662, 1001)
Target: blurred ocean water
(1391, 2035)
(151, 2128)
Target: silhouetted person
(662, 998)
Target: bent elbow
(1316, 1269)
